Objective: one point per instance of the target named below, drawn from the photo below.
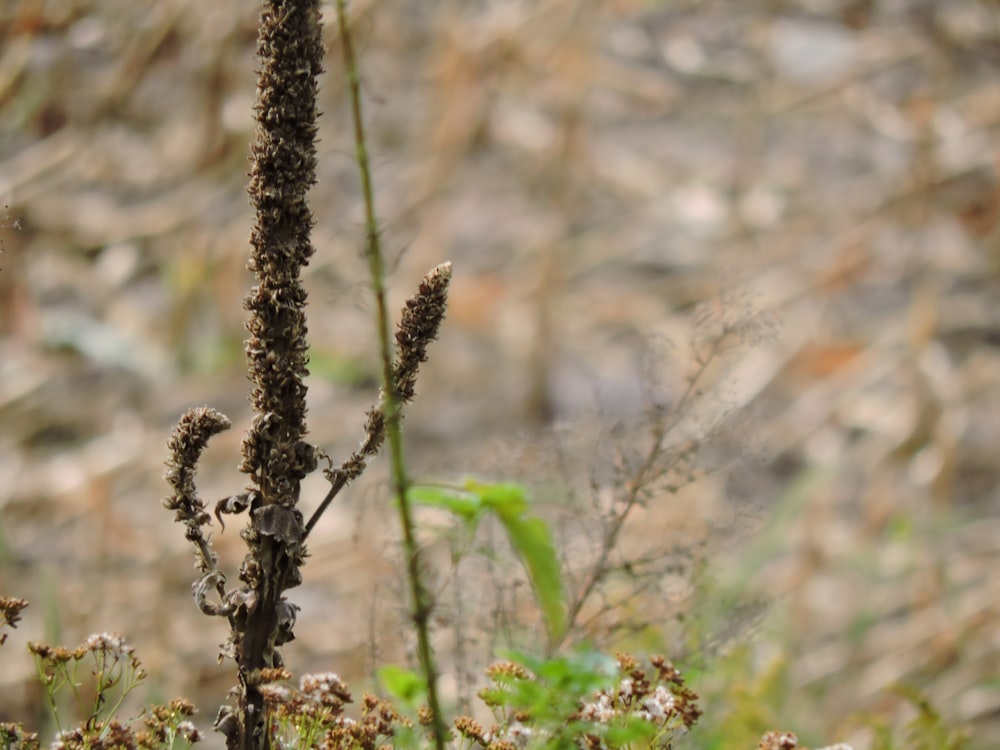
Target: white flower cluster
(63, 737)
(324, 688)
(321, 683)
(656, 707)
(600, 710)
(519, 734)
(516, 733)
(110, 643)
(189, 731)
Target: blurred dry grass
(609, 179)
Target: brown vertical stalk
(290, 52)
(275, 455)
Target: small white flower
(111, 643)
(325, 687)
(601, 710)
(188, 731)
(320, 682)
(519, 734)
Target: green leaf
(505, 499)
(578, 674)
(404, 684)
(533, 542)
(627, 732)
(529, 535)
(463, 504)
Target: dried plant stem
(422, 317)
(391, 400)
(631, 493)
(276, 457)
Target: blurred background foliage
(797, 200)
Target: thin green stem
(391, 403)
(50, 690)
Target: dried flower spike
(186, 445)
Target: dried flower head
(779, 741)
(661, 699)
(55, 655)
(161, 721)
(275, 694)
(419, 325)
(626, 662)
(470, 729)
(10, 613)
(69, 739)
(110, 649)
(13, 737)
(186, 444)
(290, 51)
(113, 735)
(326, 688)
(425, 717)
(109, 644)
(189, 732)
(504, 671)
(273, 674)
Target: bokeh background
(798, 201)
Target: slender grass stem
(391, 402)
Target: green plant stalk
(50, 691)
(129, 679)
(391, 402)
